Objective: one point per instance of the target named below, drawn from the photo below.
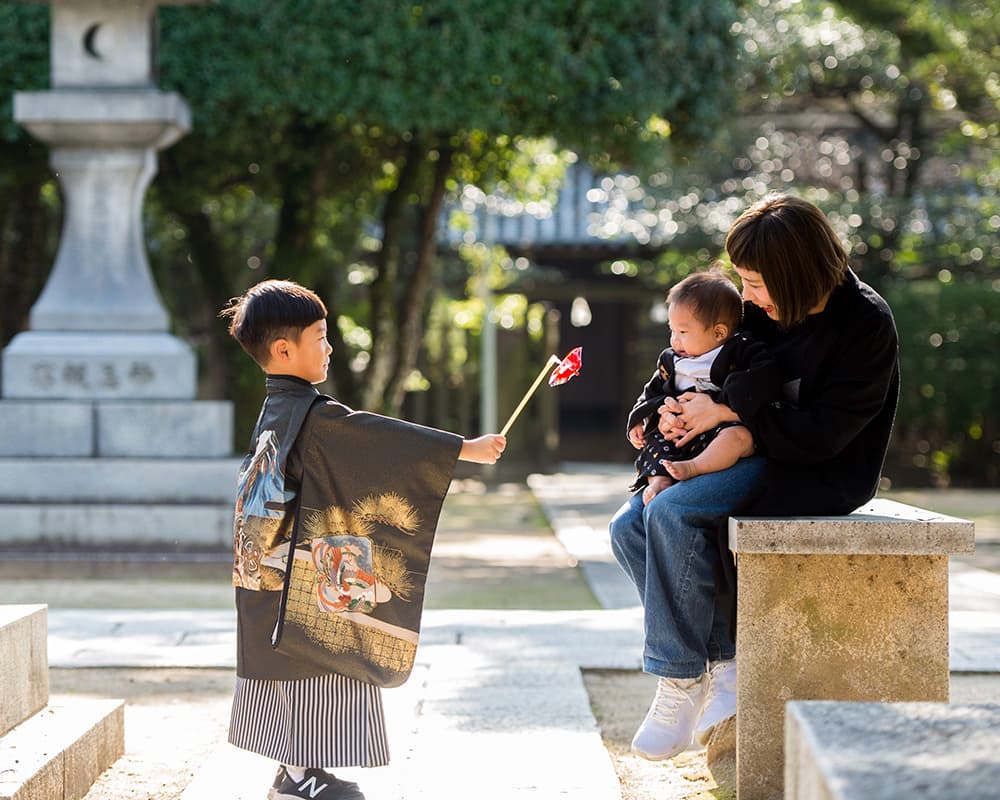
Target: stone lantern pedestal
(102, 439)
(99, 330)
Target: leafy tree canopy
(885, 115)
(593, 73)
(326, 136)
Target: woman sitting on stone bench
(819, 451)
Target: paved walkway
(496, 706)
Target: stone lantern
(104, 121)
(98, 375)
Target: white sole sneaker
(720, 698)
(669, 723)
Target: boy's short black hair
(711, 297)
(271, 310)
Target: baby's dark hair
(271, 310)
(711, 298)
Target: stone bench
(836, 608)
(891, 751)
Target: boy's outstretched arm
(483, 449)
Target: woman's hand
(699, 413)
(671, 425)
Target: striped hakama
(328, 721)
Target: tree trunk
(205, 270)
(216, 291)
(917, 136)
(26, 249)
(384, 288)
(410, 336)
(303, 187)
(303, 183)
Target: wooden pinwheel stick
(552, 362)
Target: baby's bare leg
(657, 483)
(723, 451)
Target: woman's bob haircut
(795, 250)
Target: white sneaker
(671, 718)
(720, 698)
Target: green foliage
(326, 134)
(591, 72)
(947, 424)
(345, 114)
(888, 120)
(24, 59)
(952, 48)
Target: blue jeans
(668, 549)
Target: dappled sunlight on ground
(619, 700)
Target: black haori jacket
(743, 367)
(825, 441)
(371, 492)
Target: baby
(705, 311)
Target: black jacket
(825, 440)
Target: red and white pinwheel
(565, 369)
(568, 368)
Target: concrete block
(118, 480)
(68, 365)
(164, 429)
(46, 428)
(24, 663)
(832, 627)
(132, 118)
(836, 608)
(882, 527)
(199, 526)
(896, 751)
(92, 754)
(59, 752)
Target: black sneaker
(316, 785)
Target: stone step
(79, 365)
(38, 428)
(24, 665)
(891, 751)
(60, 751)
(94, 481)
(116, 428)
(136, 525)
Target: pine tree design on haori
(343, 571)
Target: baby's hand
(637, 437)
(483, 449)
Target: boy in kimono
(355, 481)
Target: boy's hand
(483, 449)
(637, 437)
